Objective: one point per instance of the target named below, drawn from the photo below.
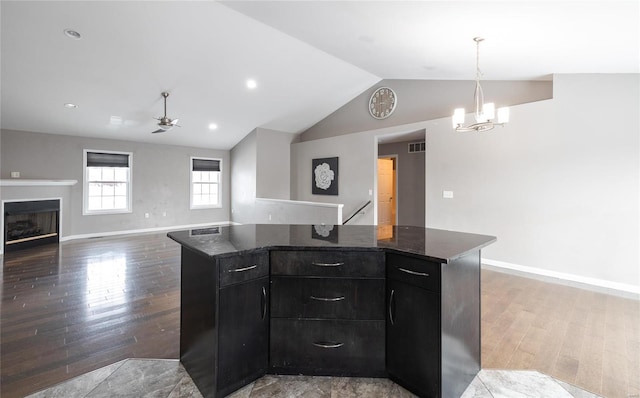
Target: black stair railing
(355, 213)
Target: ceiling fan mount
(165, 123)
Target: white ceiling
(308, 57)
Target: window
(205, 183)
(107, 182)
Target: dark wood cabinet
(327, 347)
(224, 320)
(413, 338)
(327, 313)
(408, 312)
(327, 298)
(244, 334)
(328, 263)
(433, 323)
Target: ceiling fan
(165, 123)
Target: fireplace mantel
(35, 183)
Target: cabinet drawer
(243, 267)
(421, 273)
(332, 298)
(328, 347)
(328, 263)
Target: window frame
(197, 207)
(85, 186)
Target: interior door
(386, 192)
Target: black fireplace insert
(31, 223)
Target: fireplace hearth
(31, 223)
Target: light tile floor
(167, 378)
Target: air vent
(416, 147)
(205, 231)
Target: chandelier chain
(478, 94)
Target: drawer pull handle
(243, 269)
(408, 271)
(392, 307)
(327, 298)
(328, 344)
(328, 264)
(264, 302)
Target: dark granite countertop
(434, 244)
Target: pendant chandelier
(485, 113)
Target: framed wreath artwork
(325, 232)
(324, 176)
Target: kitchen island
(397, 302)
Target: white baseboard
(631, 291)
(143, 230)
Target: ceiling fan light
(165, 127)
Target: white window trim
(85, 189)
(196, 207)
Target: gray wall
(244, 157)
(410, 169)
(260, 166)
(357, 163)
(161, 175)
(420, 100)
(269, 211)
(273, 164)
(558, 186)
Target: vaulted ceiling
(308, 58)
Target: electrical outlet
(146, 215)
(164, 214)
(447, 194)
(15, 174)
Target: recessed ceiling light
(72, 34)
(70, 105)
(213, 126)
(251, 84)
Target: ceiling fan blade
(158, 131)
(174, 122)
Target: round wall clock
(382, 103)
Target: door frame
(395, 157)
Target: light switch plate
(447, 194)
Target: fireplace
(31, 223)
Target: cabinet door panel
(243, 347)
(415, 271)
(413, 338)
(237, 269)
(331, 263)
(327, 347)
(327, 298)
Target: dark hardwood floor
(71, 308)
